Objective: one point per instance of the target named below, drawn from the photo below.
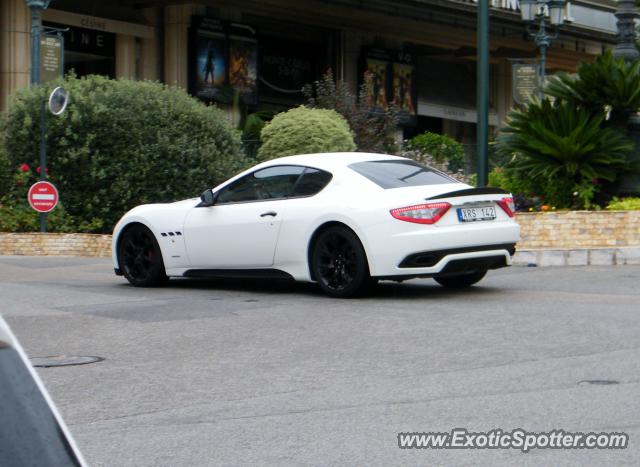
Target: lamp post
(36, 7)
(532, 11)
(626, 15)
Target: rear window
(397, 174)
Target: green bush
(5, 164)
(305, 131)
(624, 204)
(122, 143)
(17, 216)
(441, 147)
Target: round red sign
(43, 196)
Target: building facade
(417, 54)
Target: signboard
(43, 196)
(51, 65)
(525, 81)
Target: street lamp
(536, 10)
(36, 7)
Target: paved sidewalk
(578, 257)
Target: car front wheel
(140, 257)
(339, 263)
(460, 281)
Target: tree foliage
(565, 144)
(441, 147)
(372, 131)
(121, 143)
(305, 131)
(609, 85)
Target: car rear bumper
(432, 251)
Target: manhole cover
(600, 382)
(63, 360)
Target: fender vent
(171, 234)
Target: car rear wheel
(140, 257)
(460, 281)
(339, 263)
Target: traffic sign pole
(43, 161)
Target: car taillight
(507, 206)
(421, 213)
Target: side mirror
(208, 198)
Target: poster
(376, 79)
(404, 91)
(243, 67)
(209, 58)
(51, 57)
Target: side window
(312, 182)
(270, 183)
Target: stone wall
(579, 229)
(55, 244)
(563, 230)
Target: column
(15, 48)
(149, 60)
(176, 44)
(125, 56)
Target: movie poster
(243, 67)
(209, 69)
(404, 91)
(376, 79)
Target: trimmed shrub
(305, 131)
(121, 143)
(5, 164)
(442, 148)
(624, 204)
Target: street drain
(63, 360)
(599, 382)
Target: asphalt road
(263, 373)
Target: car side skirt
(266, 273)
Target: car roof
(331, 160)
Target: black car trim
(471, 192)
(425, 259)
(267, 273)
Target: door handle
(269, 213)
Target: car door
(241, 229)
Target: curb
(577, 257)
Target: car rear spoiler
(471, 192)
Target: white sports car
(343, 220)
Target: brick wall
(540, 230)
(579, 229)
(55, 244)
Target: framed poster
(243, 63)
(208, 73)
(376, 77)
(405, 96)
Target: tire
(460, 281)
(339, 263)
(140, 258)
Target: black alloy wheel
(340, 264)
(140, 257)
(460, 281)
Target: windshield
(400, 173)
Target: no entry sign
(43, 196)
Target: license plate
(484, 213)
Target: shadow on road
(383, 290)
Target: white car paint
(234, 236)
